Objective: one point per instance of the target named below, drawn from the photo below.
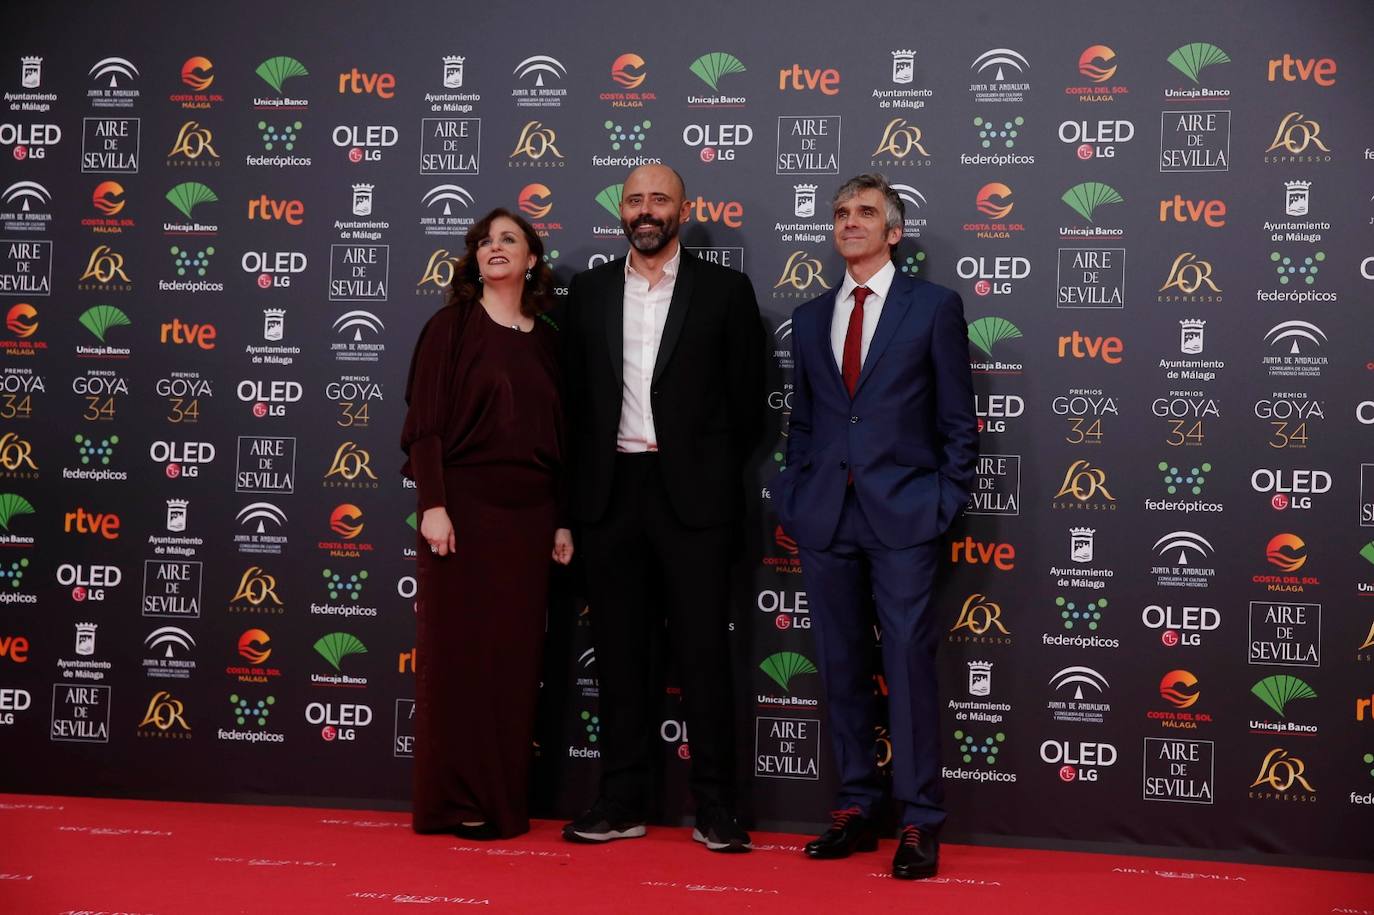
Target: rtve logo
(729, 212)
(1212, 212)
(382, 85)
(799, 78)
(1290, 69)
(201, 335)
(14, 647)
(291, 212)
(84, 522)
(1080, 346)
(1001, 555)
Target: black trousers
(640, 531)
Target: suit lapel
(677, 312)
(894, 310)
(823, 322)
(614, 298)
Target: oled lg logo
(181, 459)
(365, 143)
(1078, 761)
(88, 582)
(269, 398)
(1096, 139)
(30, 141)
(1290, 488)
(1180, 625)
(788, 607)
(717, 142)
(340, 721)
(274, 268)
(994, 410)
(993, 275)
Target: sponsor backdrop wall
(223, 229)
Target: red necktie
(854, 341)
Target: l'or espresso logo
(171, 588)
(358, 273)
(350, 468)
(256, 593)
(1185, 414)
(80, 714)
(450, 146)
(1078, 760)
(808, 145)
(1084, 488)
(1195, 141)
(1297, 139)
(1282, 777)
(902, 145)
(266, 464)
(16, 458)
(980, 623)
(1291, 415)
(1091, 278)
(1190, 279)
(104, 272)
(26, 270)
(801, 278)
(1179, 771)
(1285, 634)
(110, 145)
(438, 273)
(996, 486)
(29, 141)
(165, 718)
(1097, 65)
(354, 396)
(537, 147)
(193, 147)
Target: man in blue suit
(880, 454)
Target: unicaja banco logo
(609, 198)
(1192, 59)
(275, 71)
(711, 68)
(336, 646)
(785, 665)
(1277, 691)
(100, 318)
(985, 333)
(187, 195)
(1085, 198)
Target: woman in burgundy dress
(484, 435)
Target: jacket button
(844, 465)
(654, 392)
(853, 419)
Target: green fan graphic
(1086, 197)
(711, 67)
(1277, 691)
(985, 332)
(1367, 551)
(1191, 59)
(785, 665)
(336, 646)
(610, 199)
(413, 520)
(101, 318)
(187, 194)
(277, 70)
(12, 504)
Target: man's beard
(653, 242)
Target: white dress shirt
(646, 312)
(879, 283)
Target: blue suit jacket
(909, 435)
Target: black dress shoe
(918, 855)
(849, 831)
(479, 832)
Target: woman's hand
(562, 546)
(437, 529)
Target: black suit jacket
(707, 394)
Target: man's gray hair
(896, 211)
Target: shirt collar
(879, 283)
(669, 269)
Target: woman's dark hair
(465, 290)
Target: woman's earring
(481, 278)
(528, 276)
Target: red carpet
(69, 855)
